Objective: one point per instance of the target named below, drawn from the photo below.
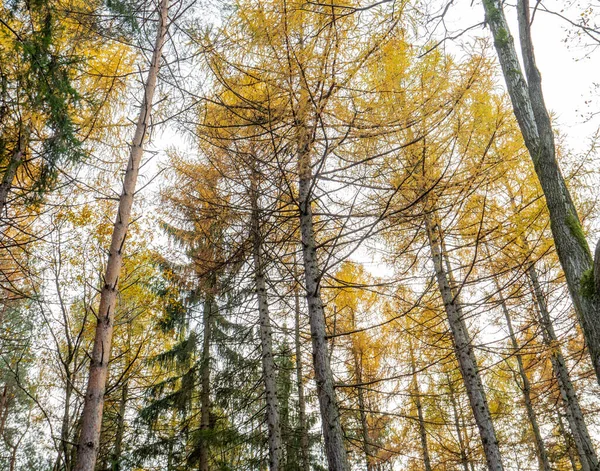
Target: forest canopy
(294, 235)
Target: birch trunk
(266, 339)
(579, 431)
(534, 122)
(304, 453)
(330, 416)
(525, 387)
(464, 352)
(91, 418)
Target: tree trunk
(461, 443)
(464, 352)
(568, 439)
(534, 122)
(333, 436)
(304, 453)
(416, 394)
(91, 419)
(581, 437)
(207, 319)
(63, 449)
(116, 458)
(525, 387)
(266, 339)
(16, 159)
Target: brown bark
(91, 419)
(16, 159)
(207, 315)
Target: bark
(63, 449)
(525, 387)
(579, 431)
(568, 445)
(3, 408)
(116, 458)
(464, 352)
(330, 416)
(207, 314)
(16, 159)
(534, 122)
(266, 339)
(461, 443)
(304, 454)
(91, 419)
(362, 407)
(417, 398)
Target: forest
(299, 235)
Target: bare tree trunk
(116, 458)
(464, 352)
(266, 339)
(534, 122)
(304, 454)
(335, 449)
(16, 159)
(207, 319)
(568, 439)
(416, 394)
(581, 436)
(366, 440)
(525, 387)
(3, 408)
(91, 419)
(63, 448)
(461, 443)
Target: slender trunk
(304, 454)
(534, 122)
(116, 458)
(464, 352)
(266, 339)
(581, 437)
(461, 443)
(91, 419)
(366, 440)
(3, 408)
(525, 387)
(416, 394)
(16, 159)
(333, 436)
(207, 315)
(63, 448)
(568, 442)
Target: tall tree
(91, 418)
(525, 90)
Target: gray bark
(417, 398)
(266, 339)
(464, 351)
(333, 436)
(304, 453)
(579, 431)
(116, 458)
(461, 443)
(525, 387)
(531, 113)
(91, 418)
(207, 314)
